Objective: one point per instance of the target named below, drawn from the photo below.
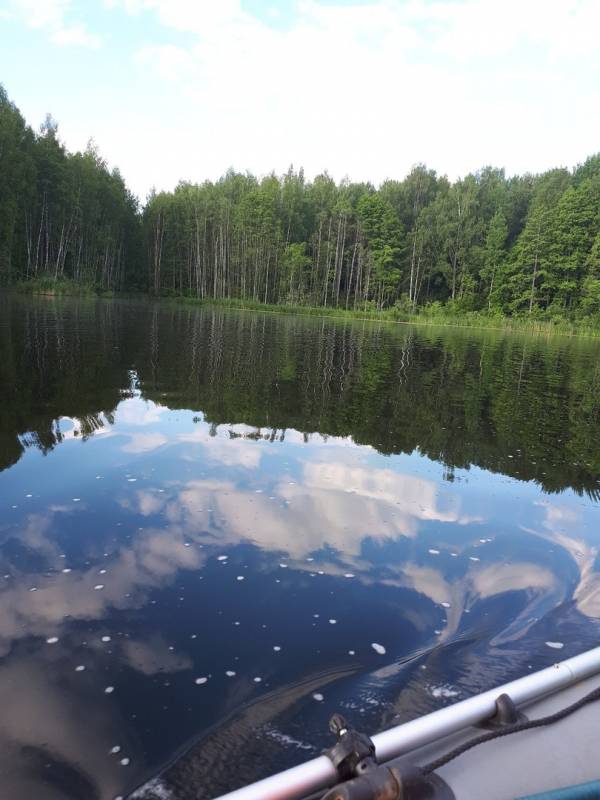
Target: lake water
(217, 528)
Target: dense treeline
(62, 215)
(485, 242)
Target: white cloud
(368, 90)
(363, 90)
(228, 452)
(167, 61)
(150, 562)
(144, 442)
(136, 411)
(561, 526)
(51, 16)
(35, 694)
(153, 656)
(331, 505)
(75, 35)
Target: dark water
(259, 501)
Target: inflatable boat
(535, 737)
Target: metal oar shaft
(320, 773)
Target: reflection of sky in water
(190, 568)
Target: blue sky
(184, 89)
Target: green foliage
(494, 255)
(590, 301)
(383, 241)
(483, 244)
(62, 216)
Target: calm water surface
(217, 528)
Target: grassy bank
(433, 314)
(49, 286)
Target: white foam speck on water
(131, 480)
(316, 616)
(351, 652)
(283, 566)
(379, 648)
(555, 645)
(28, 495)
(443, 691)
(106, 638)
(200, 681)
(222, 558)
(454, 555)
(348, 575)
(240, 578)
(124, 762)
(66, 570)
(483, 541)
(433, 551)
(109, 690)
(474, 558)
(277, 648)
(230, 673)
(153, 790)
(33, 589)
(332, 621)
(318, 697)
(320, 572)
(284, 739)
(99, 586)
(257, 679)
(445, 605)
(114, 750)
(186, 544)
(54, 640)
(79, 668)
(258, 491)
(77, 499)
(310, 559)
(102, 572)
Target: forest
(488, 242)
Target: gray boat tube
(319, 773)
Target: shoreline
(475, 320)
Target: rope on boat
(432, 766)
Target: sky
(176, 90)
